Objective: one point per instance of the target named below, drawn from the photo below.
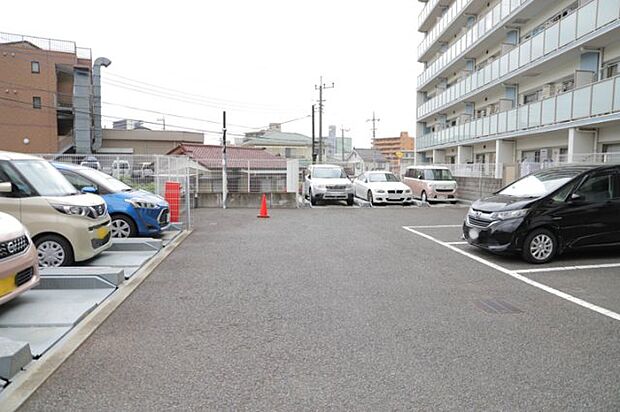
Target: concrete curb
(26, 383)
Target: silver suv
(327, 182)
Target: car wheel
(369, 198)
(312, 198)
(122, 227)
(53, 251)
(423, 197)
(540, 246)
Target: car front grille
(336, 187)
(24, 277)
(14, 246)
(443, 190)
(474, 221)
(394, 191)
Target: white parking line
(564, 268)
(514, 274)
(433, 226)
(456, 243)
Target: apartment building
(45, 95)
(393, 148)
(508, 80)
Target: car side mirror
(89, 189)
(6, 187)
(576, 197)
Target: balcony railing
(586, 102)
(487, 23)
(444, 22)
(55, 45)
(588, 18)
(426, 11)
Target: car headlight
(511, 214)
(72, 210)
(407, 190)
(139, 203)
(320, 187)
(380, 191)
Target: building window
(35, 67)
(531, 97)
(36, 102)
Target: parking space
(35, 322)
(590, 279)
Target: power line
(120, 118)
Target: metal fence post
(249, 177)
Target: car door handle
(557, 218)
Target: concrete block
(135, 245)
(114, 275)
(14, 355)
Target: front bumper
(89, 239)
(333, 194)
(392, 198)
(19, 273)
(500, 236)
(444, 195)
(153, 221)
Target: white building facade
(508, 80)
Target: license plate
(102, 232)
(7, 285)
(441, 197)
(474, 234)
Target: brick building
(391, 146)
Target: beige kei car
(19, 270)
(66, 226)
(431, 183)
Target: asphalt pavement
(337, 309)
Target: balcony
(444, 22)
(565, 34)
(486, 24)
(594, 103)
(429, 8)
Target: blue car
(133, 212)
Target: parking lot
(351, 308)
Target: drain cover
(496, 306)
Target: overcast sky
(259, 60)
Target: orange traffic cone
(263, 208)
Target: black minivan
(549, 211)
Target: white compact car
(382, 187)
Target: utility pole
(224, 171)
(163, 120)
(313, 145)
(322, 86)
(343, 130)
(374, 121)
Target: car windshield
(382, 177)
(109, 183)
(44, 177)
(329, 173)
(540, 183)
(437, 174)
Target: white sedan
(381, 187)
